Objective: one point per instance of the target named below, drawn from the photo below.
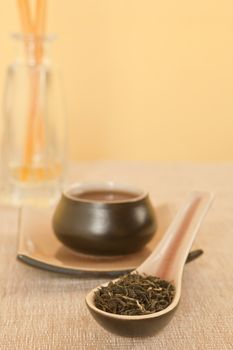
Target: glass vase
(34, 129)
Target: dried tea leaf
(134, 294)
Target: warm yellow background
(145, 79)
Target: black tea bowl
(104, 219)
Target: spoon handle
(168, 258)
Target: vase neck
(33, 50)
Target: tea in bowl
(104, 218)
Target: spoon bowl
(166, 262)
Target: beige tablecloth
(44, 310)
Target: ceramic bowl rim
(103, 185)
